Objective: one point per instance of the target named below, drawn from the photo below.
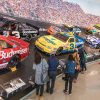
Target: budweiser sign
(4, 55)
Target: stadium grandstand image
(49, 49)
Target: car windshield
(61, 37)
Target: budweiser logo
(4, 55)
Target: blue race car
(93, 41)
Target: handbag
(44, 78)
(85, 56)
(78, 67)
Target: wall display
(14, 85)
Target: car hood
(80, 41)
(96, 41)
(50, 41)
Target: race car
(93, 41)
(24, 31)
(12, 50)
(53, 29)
(67, 26)
(59, 43)
(90, 30)
(97, 27)
(70, 28)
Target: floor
(86, 88)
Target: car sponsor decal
(49, 41)
(16, 33)
(71, 46)
(4, 55)
(42, 29)
(29, 31)
(53, 39)
(4, 65)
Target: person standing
(77, 69)
(82, 59)
(69, 74)
(52, 71)
(41, 68)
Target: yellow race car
(58, 43)
(97, 27)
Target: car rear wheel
(28, 37)
(59, 50)
(13, 61)
(98, 46)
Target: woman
(77, 60)
(69, 73)
(41, 71)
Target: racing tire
(29, 37)
(13, 61)
(86, 41)
(59, 51)
(98, 46)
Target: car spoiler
(21, 42)
(37, 28)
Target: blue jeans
(51, 82)
(68, 82)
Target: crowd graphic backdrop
(54, 11)
(89, 6)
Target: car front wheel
(59, 50)
(28, 37)
(13, 61)
(98, 46)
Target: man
(52, 70)
(82, 60)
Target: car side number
(6, 33)
(71, 46)
(16, 33)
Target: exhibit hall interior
(49, 50)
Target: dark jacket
(53, 63)
(82, 55)
(70, 67)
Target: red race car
(12, 50)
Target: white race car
(93, 41)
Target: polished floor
(86, 88)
